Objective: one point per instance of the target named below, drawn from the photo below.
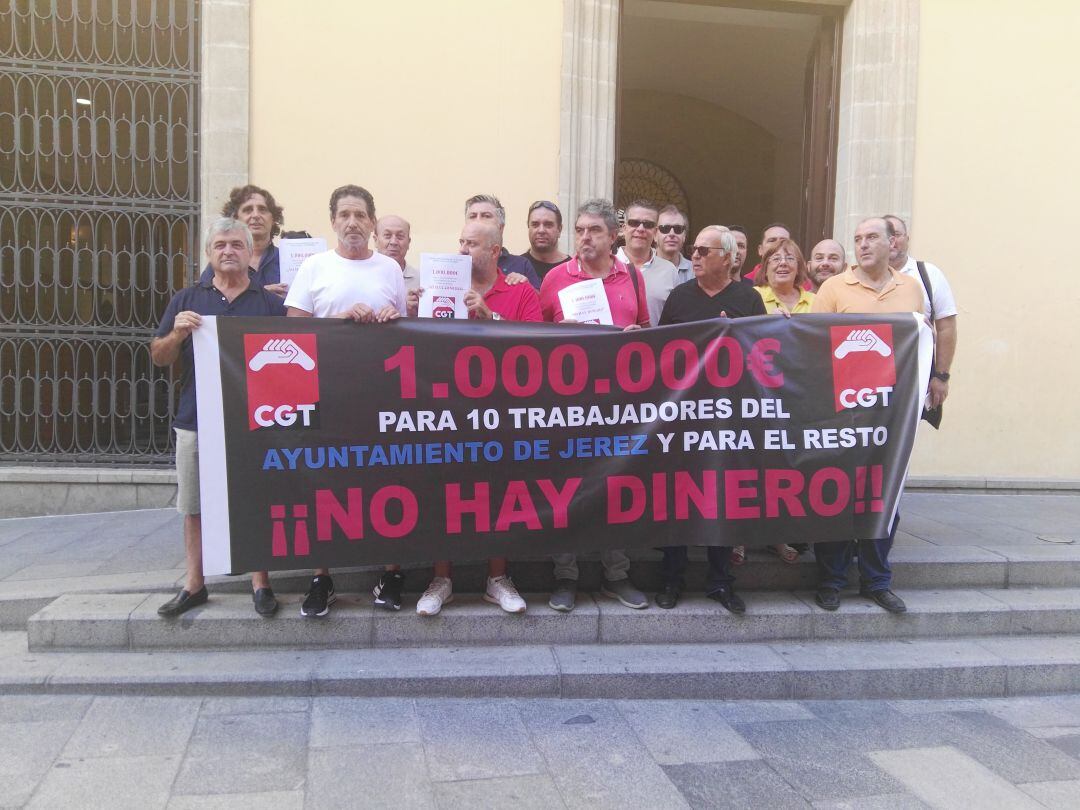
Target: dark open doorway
(728, 109)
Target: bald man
(826, 260)
(393, 235)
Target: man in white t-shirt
(350, 281)
(944, 308)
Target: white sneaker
(501, 592)
(438, 593)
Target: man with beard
(826, 260)
(545, 228)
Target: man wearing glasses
(673, 232)
(640, 234)
(545, 228)
(712, 294)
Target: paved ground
(144, 753)
(146, 545)
(115, 752)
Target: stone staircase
(982, 621)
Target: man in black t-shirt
(545, 228)
(710, 294)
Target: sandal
(738, 555)
(785, 553)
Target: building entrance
(728, 110)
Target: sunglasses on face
(647, 224)
(703, 250)
(670, 228)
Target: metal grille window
(98, 222)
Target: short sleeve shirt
(661, 277)
(205, 299)
(519, 302)
(944, 302)
(846, 294)
(772, 303)
(688, 303)
(328, 283)
(618, 286)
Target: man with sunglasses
(639, 233)
(673, 232)
(545, 228)
(712, 294)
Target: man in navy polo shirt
(228, 291)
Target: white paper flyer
(586, 302)
(445, 278)
(292, 252)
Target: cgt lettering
(865, 397)
(283, 415)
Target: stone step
(914, 566)
(918, 567)
(820, 669)
(228, 621)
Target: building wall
(423, 103)
(996, 171)
(427, 103)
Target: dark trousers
(720, 575)
(875, 574)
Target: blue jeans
(875, 574)
(720, 576)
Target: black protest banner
(329, 443)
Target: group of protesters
(649, 280)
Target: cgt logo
(864, 369)
(282, 380)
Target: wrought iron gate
(98, 222)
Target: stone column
(587, 138)
(878, 82)
(224, 103)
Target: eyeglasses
(670, 228)
(778, 258)
(703, 250)
(647, 224)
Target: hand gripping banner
(330, 443)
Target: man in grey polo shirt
(228, 291)
(660, 275)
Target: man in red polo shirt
(490, 298)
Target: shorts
(187, 472)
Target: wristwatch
(495, 316)
(941, 375)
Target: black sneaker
(319, 597)
(388, 592)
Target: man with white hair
(712, 294)
(229, 291)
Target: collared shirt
(509, 263)
(685, 270)
(204, 299)
(268, 271)
(411, 276)
(944, 302)
(618, 286)
(845, 293)
(661, 277)
(519, 302)
(772, 303)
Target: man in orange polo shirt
(870, 286)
